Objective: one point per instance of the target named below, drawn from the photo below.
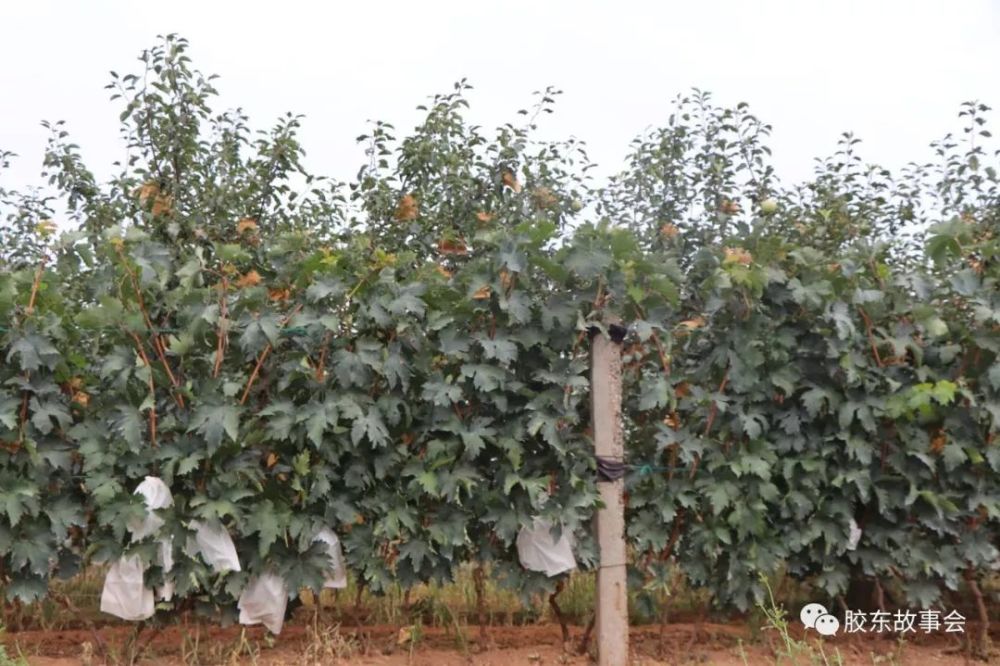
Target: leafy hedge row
(404, 358)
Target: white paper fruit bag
(124, 594)
(264, 601)
(336, 575)
(538, 551)
(213, 543)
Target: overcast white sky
(894, 72)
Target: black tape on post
(616, 332)
(609, 469)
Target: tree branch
(152, 388)
(263, 356)
(157, 342)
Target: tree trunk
(980, 641)
(479, 578)
(558, 611)
(585, 639)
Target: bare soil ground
(721, 644)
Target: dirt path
(716, 644)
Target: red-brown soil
(721, 644)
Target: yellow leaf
(737, 255)
(162, 204)
(544, 198)
(147, 191)
(691, 324)
(669, 230)
(506, 279)
(251, 279)
(483, 293)
(510, 180)
(246, 224)
(484, 217)
(279, 294)
(383, 259)
(452, 246)
(81, 398)
(938, 442)
(45, 228)
(408, 209)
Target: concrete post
(612, 594)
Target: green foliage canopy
(404, 358)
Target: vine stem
(659, 345)
(157, 342)
(663, 356)
(557, 611)
(599, 297)
(479, 578)
(321, 364)
(879, 594)
(24, 413)
(871, 337)
(256, 371)
(598, 304)
(585, 639)
(223, 332)
(675, 535)
(982, 639)
(712, 412)
(152, 388)
(714, 409)
(360, 284)
(263, 356)
(672, 462)
(35, 286)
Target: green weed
(791, 650)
